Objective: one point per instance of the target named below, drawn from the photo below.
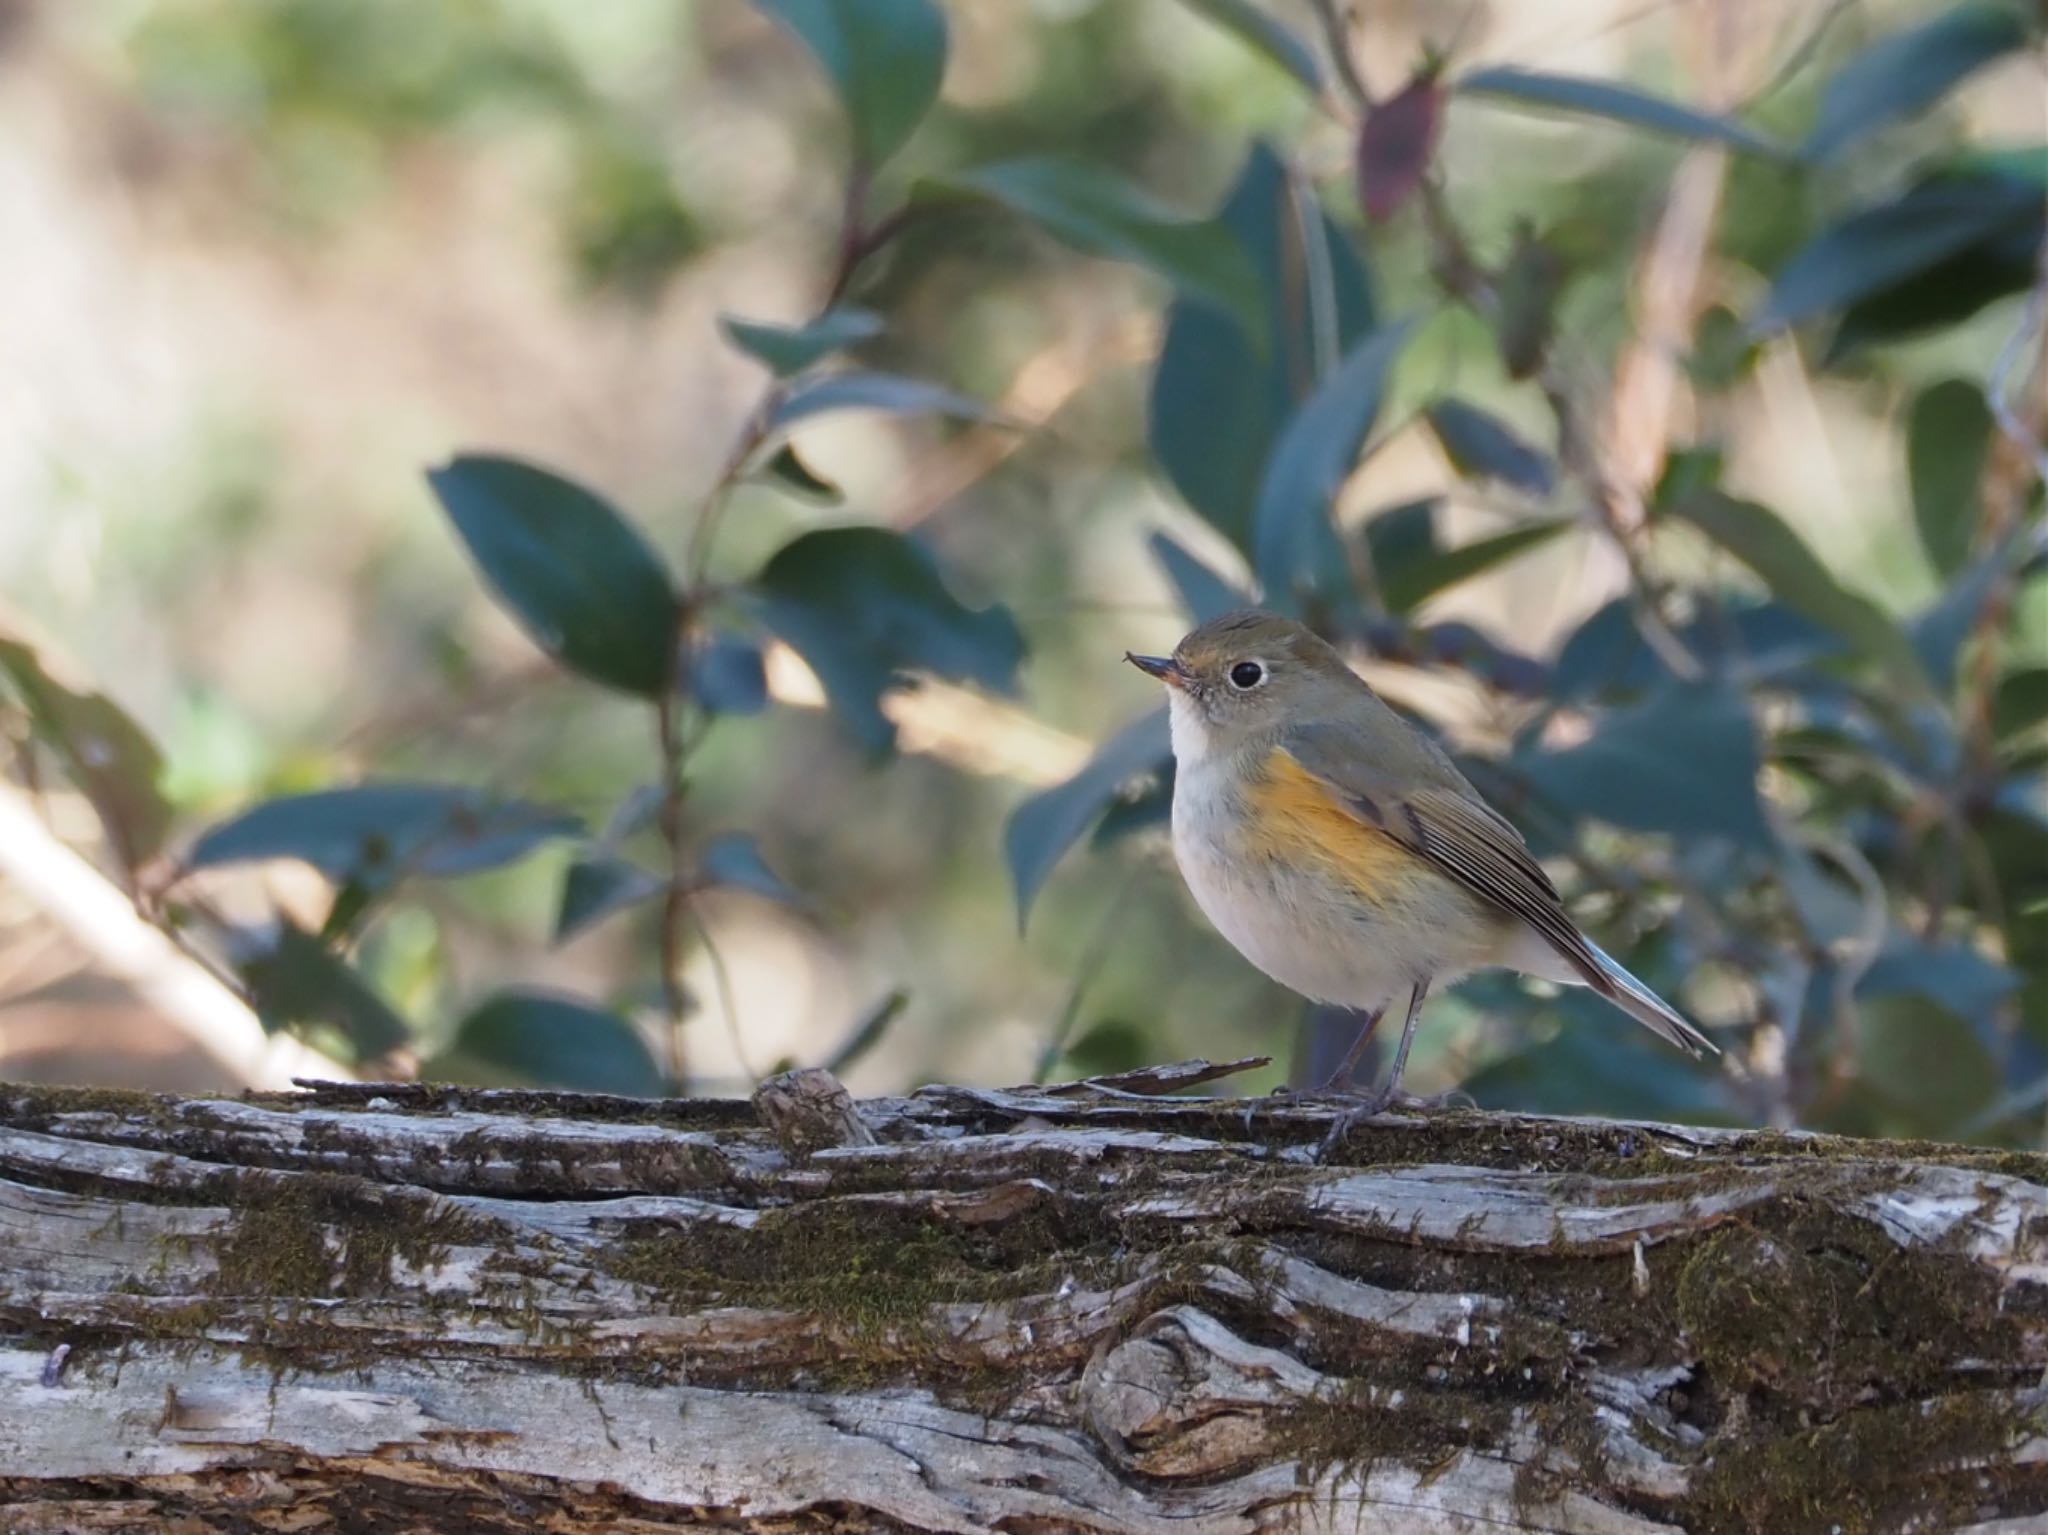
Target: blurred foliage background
(822, 394)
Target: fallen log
(1090, 1308)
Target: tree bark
(1089, 1308)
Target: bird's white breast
(1292, 919)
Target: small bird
(1340, 851)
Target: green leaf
(1258, 30)
(1403, 535)
(1757, 536)
(1098, 212)
(1944, 294)
(375, 834)
(1616, 103)
(1294, 544)
(886, 58)
(598, 885)
(727, 675)
(1684, 761)
(1597, 1062)
(1931, 1066)
(890, 393)
(577, 576)
(868, 1033)
(1407, 584)
(1955, 978)
(1744, 641)
(1878, 248)
(733, 861)
(1041, 829)
(293, 980)
(1211, 369)
(2021, 704)
(861, 605)
(1901, 75)
(1203, 593)
(788, 349)
(795, 475)
(1528, 291)
(1482, 446)
(105, 753)
(1947, 435)
(540, 1039)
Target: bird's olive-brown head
(1245, 674)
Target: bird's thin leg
(1393, 1086)
(1341, 1077)
(1384, 1093)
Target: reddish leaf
(1396, 144)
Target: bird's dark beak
(1165, 668)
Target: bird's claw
(1365, 1106)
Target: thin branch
(2025, 343)
(102, 920)
(1336, 22)
(721, 978)
(675, 902)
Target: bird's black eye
(1247, 674)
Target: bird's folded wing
(1453, 829)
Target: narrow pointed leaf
(1098, 212)
(1260, 30)
(1212, 369)
(788, 349)
(889, 393)
(1881, 247)
(1408, 587)
(1203, 593)
(1294, 545)
(1904, 74)
(1616, 103)
(376, 833)
(1042, 828)
(1760, 539)
(1482, 446)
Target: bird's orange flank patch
(1298, 820)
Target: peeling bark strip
(1085, 1308)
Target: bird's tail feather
(1646, 1007)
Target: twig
(721, 977)
(1467, 279)
(102, 920)
(675, 902)
(856, 242)
(2002, 494)
(1333, 14)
